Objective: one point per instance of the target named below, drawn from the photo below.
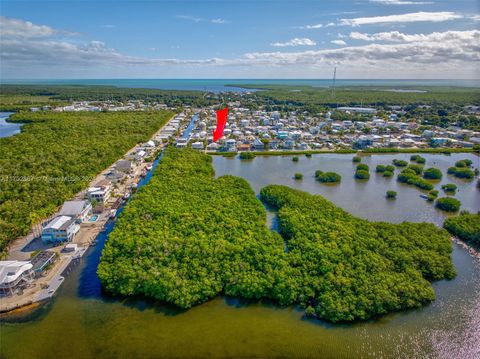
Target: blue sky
(239, 39)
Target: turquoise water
(94, 218)
(219, 85)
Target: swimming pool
(93, 218)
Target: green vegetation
(363, 167)
(400, 163)
(356, 159)
(391, 194)
(362, 174)
(418, 169)
(466, 227)
(298, 176)
(461, 172)
(433, 193)
(308, 155)
(449, 188)
(21, 97)
(432, 174)
(417, 158)
(347, 268)
(463, 163)
(247, 155)
(56, 155)
(387, 174)
(187, 237)
(409, 176)
(448, 204)
(390, 168)
(380, 168)
(327, 177)
(295, 159)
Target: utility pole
(334, 78)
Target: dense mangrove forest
(187, 237)
(58, 154)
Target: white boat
(113, 213)
(149, 167)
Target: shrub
(295, 158)
(432, 173)
(463, 163)
(390, 168)
(433, 193)
(466, 227)
(247, 155)
(431, 198)
(327, 177)
(448, 204)
(363, 167)
(391, 194)
(450, 187)
(400, 163)
(308, 155)
(418, 169)
(461, 172)
(380, 168)
(409, 176)
(298, 176)
(356, 159)
(362, 174)
(417, 158)
(387, 174)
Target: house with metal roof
(60, 229)
(80, 210)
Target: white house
(14, 275)
(80, 210)
(60, 229)
(99, 194)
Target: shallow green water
(79, 323)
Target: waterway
(8, 129)
(81, 322)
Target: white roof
(58, 222)
(11, 270)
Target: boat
(113, 213)
(126, 195)
(424, 196)
(149, 167)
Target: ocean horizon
(223, 85)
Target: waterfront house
(124, 166)
(41, 261)
(60, 229)
(14, 276)
(79, 210)
(99, 194)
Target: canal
(8, 129)
(81, 322)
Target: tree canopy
(187, 237)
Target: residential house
(14, 276)
(79, 210)
(60, 229)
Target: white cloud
(453, 54)
(401, 2)
(403, 18)
(10, 27)
(295, 42)
(219, 21)
(338, 42)
(108, 26)
(396, 36)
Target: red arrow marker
(221, 121)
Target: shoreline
(84, 239)
(443, 150)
